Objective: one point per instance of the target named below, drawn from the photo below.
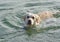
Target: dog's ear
(38, 20)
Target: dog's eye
(32, 17)
(27, 16)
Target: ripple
(38, 4)
(6, 9)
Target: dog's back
(45, 15)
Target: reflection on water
(34, 31)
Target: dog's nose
(29, 22)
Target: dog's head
(31, 19)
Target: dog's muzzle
(29, 22)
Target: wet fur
(42, 16)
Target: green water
(11, 22)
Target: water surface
(11, 22)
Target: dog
(31, 19)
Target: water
(11, 22)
